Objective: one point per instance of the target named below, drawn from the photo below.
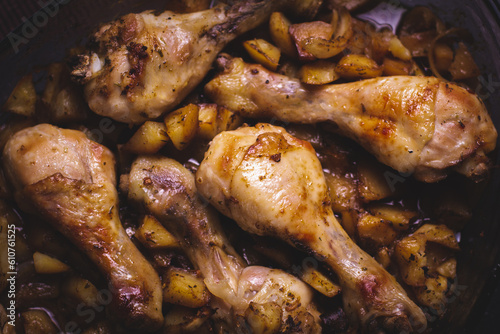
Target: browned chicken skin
(418, 125)
(70, 181)
(167, 190)
(273, 184)
(143, 65)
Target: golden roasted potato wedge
(153, 235)
(22, 100)
(319, 72)
(263, 53)
(443, 56)
(148, 139)
(279, 27)
(373, 184)
(396, 67)
(376, 230)
(398, 217)
(411, 251)
(433, 293)
(463, 66)
(319, 282)
(398, 50)
(302, 33)
(81, 290)
(182, 125)
(354, 67)
(45, 264)
(213, 119)
(185, 288)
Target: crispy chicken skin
(418, 125)
(143, 65)
(70, 180)
(165, 188)
(273, 184)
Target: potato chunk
(279, 27)
(45, 264)
(153, 235)
(354, 67)
(214, 119)
(182, 125)
(185, 288)
(263, 53)
(318, 73)
(148, 139)
(22, 100)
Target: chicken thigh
(273, 184)
(70, 181)
(418, 125)
(166, 189)
(143, 65)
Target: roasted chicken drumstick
(166, 189)
(418, 125)
(143, 65)
(70, 180)
(273, 184)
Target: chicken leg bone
(419, 125)
(272, 184)
(166, 189)
(143, 65)
(70, 180)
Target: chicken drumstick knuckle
(418, 125)
(70, 181)
(273, 184)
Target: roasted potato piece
(354, 67)
(443, 56)
(153, 235)
(318, 73)
(375, 229)
(184, 288)
(264, 318)
(22, 100)
(433, 293)
(303, 33)
(463, 66)
(398, 217)
(411, 251)
(263, 53)
(38, 322)
(214, 119)
(148, 139)
(46, 264)
(398, 50)
(343, 192)
(81, 290)
(373, 181)
(396, 67)
(61, 98)
(319, 282)
(279, 27)
(182, 125)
